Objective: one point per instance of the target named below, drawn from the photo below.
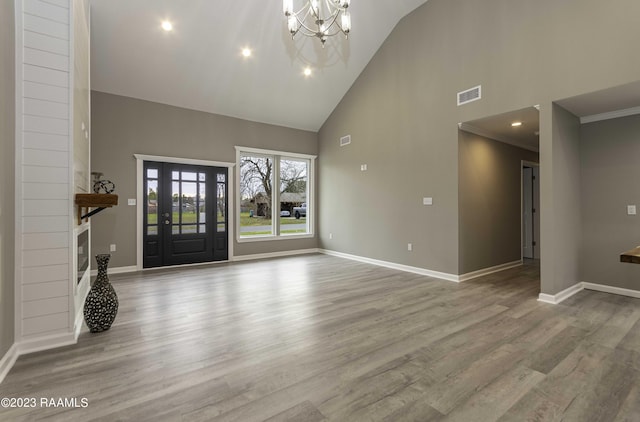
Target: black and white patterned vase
(101, 305)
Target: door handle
(167, 222)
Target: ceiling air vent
(470, 95)
(345, 140)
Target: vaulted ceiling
(199, 65)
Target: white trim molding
(583, 285)
(561, 296)
(140, 159)
(177, 160)
(394, 266)
(490, 270)
(610, 115)
(7, 361)
(46, 343)
(275, 226)
(611, 289)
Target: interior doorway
(530, 210)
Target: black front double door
(185, 214)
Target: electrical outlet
(427, 201)
(409, 247)
(112, 247)
(363, 167)
(631, 210)
(330, 235)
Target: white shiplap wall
(45, 211)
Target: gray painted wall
(402, 115)
(124, 126)
(610, 153)
(490, 183)
(560, 207)
(7, 178)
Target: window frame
(275, 200)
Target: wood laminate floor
(318, 338)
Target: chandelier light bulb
(346, 22)
(287, 7)
(292, 23)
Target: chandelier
(318, 18)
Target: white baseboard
(393, 265)
(39, 344)
(561, 296)
(79, 324)
(583, 285)
(611, 289)
(490, 270)
(8, 360)
(274, 255)
(117, 270)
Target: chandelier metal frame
(309, 20)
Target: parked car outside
(300, 211)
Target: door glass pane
(202, 228)
(293, 196)
(188, 202)
(202, 177)
(202, 212)
(175, 175)
(152, 173)
(175, 207)
(187, 175)
(152, 201)
(221, 203)
(189, 228)
(221, 208)
(256, 185)
(152, 230)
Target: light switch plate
(131, 201)
(427, 201)
(631, 210)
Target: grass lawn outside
(246, 221)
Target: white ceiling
(499, 127)
(199, 64)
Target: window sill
(272, 238)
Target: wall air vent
(470, 95)
(345, 140)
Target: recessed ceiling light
(246, 52)
(167, 26)
(516, 124)
(307, 71)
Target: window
(275, 193)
